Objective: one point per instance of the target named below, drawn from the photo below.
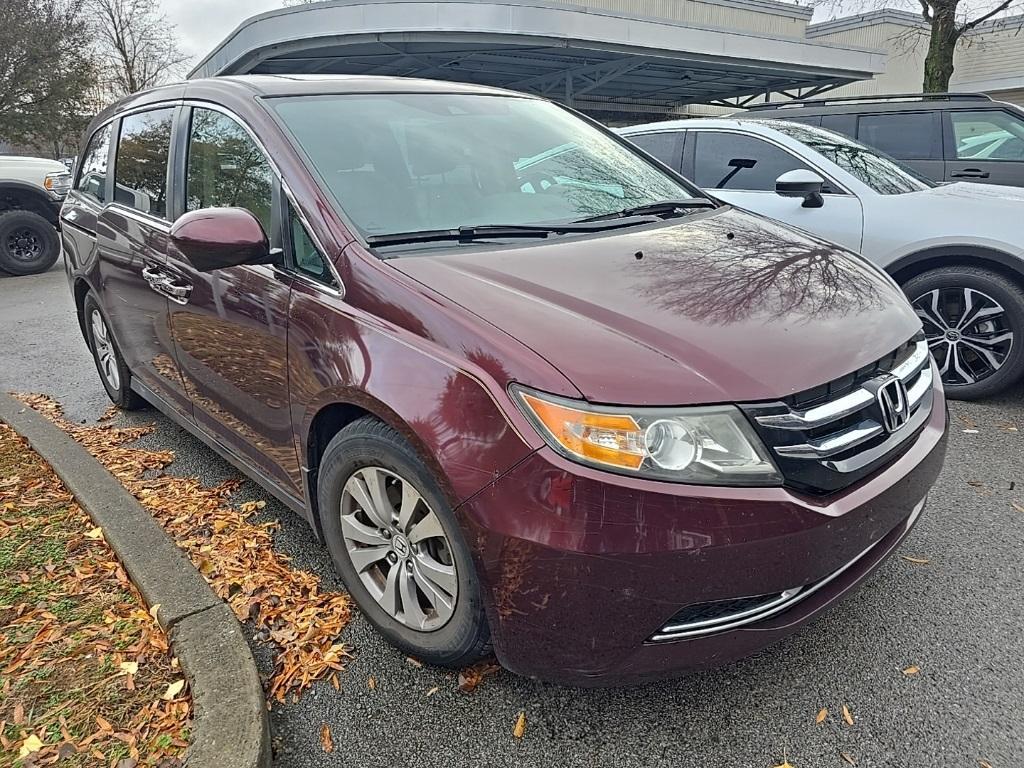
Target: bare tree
(136, 43)
(949, 21)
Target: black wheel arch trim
(914, 264)
(43, 204)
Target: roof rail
(868, 99)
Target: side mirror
(801, 183)
(215, 238)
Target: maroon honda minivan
(533, 390)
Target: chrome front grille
(824, 442)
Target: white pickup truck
(32, 190)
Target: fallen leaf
(984, 763)
(94, 534)
(471, 677)
(846, 756)
(129, 667)
(520, 727)
(911, 670)
(822, 714)
(784, 764)
(433, 690)
(1017, 506)
(847, 716)
(104, 724)
(371, 683)
(414, 662)
(30, 745)
(173, 690)
(917, 560)
(19, 714)
(325, 738)
(154, 610)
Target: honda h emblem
(892, 399)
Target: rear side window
(987, 135)
(92, 174)
(844, 124)
(903, 135)
(140, 171)
(734, 161)
(226, 168)
(663, 145)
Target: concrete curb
(230, 727)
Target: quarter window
(663, 145)
(226, 168)
(308, 259)
(987, 135)
(92, 174)
(735, 161)
(903, 135)
(140, 171)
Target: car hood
(40, 163)
(983, 193)
(719, 307)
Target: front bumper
(581, 569)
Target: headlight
(707, 445)
(58, 184)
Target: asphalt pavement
(958, 618)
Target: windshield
(438, 161)
(879, 171)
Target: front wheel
(974, 322)
(398, 547)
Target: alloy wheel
(399, 549)
(967, 331)
(103, 348)
(24, 244)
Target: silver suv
(944, 136)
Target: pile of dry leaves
(232, 551)
(86, 678)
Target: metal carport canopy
(595, 60)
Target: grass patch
(83, 665)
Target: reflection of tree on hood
(759, 273)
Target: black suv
(944, 136)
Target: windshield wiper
(660, 208)
(468, 234)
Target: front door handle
(969, 173)
(167, 285)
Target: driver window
(736, 161)
(226, 168)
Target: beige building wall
(761, 16)
(990, 60)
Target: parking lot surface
(956, 617)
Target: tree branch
(926, 10)
(982, 19)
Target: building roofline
(902, 19)
(870, 19)
(775, 7)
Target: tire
(986, 355)
(114, 374)
(369, 448)
(28, 243)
